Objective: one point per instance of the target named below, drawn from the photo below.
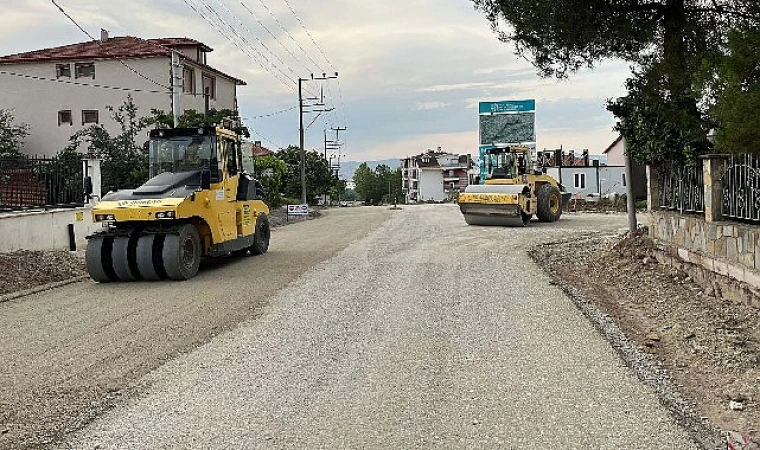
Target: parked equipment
(514, 191)
(199, 201)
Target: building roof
(115, 47)
(614, 143)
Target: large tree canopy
(672, 45)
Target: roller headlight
(165, 215)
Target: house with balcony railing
(435, 176)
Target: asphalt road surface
(423, 333)
(70, 353)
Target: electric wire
(105, 49)
(240, 22)
(288, 33)
(282, 111)
(258, 20)
(287, 83)
(324, 55)
(76, 83)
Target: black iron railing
(34, 182)
(682, 189)
(741, 188)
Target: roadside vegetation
(695, 66)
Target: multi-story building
(58, 91)
(435, 176)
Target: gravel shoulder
(426, 333)
(72, 352)
(699, 351)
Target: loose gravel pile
(24, 269)
(679, 339)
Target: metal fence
(34, 182)
(682, 189)
(741, 188)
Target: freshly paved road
(426, 333)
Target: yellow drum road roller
(513, 192)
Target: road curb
(645, 366)
(44, 287)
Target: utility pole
(176, 86)
(301, 127)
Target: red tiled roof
(115, 47)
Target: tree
(382, 184)
(667, 41)
(271, 171)
(737, 94)
(125, 164)
(319, 178)
(192, 119)
(11, 135)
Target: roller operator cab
(200, 201)
(513, 191)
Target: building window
(63, 70)
(580, 181)
(84, 70)
(451, 173)
(209, 86)
(89, 116)
(623, 180)
(188, 80)
(64, 117)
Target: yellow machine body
(513, 192)
(200, 201)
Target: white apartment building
(58, 91)
(435, 176)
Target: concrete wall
(37, 102)
(45, 230)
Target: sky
(410, 72)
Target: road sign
(298, 210)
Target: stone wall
(701, 248)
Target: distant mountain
(347, 168)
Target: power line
(266, 139)
(289, 83)
(258, 20)
(95, 85)
(288, 33)
(324, 55)
(105, 49)
(233, 15)
(309, 34)
(271, 114)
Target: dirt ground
(709, 345)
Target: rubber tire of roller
(262, 236)
(95, 260)
(145, 261)
(182, 253)
(122, 261)
(543, 208)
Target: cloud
(411, 71)
(431, 105)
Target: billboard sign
(507, 122)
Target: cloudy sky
(411, 72)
